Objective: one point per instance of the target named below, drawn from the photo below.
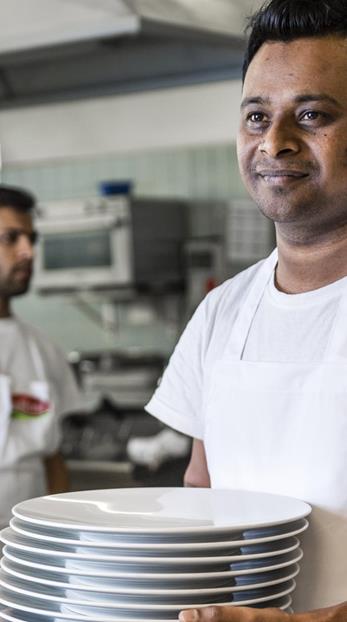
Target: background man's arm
(56, 474)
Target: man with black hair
(259, 377)
(36, 384)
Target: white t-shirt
(288, 328)
(37, 387)
(293, 328)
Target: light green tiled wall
(198, 173)
(209, 171)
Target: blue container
(109, 188)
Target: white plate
(115, 602)
(15, 615)
(280, 603)
(90, 539)
(75, 594)
(227, 595)
(170, 511)
(274, 532)
(12, 592)
(252, 601)
(88, 583)
(9, 537)
(24, 612)
(129, 600)
(99, 572)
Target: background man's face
(292, 143)
(16, 252)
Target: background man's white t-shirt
(37, 387)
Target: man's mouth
(280, 176)
(23, 272)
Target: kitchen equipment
(126, 379)
(205, 266)
(111, 242)
(84, 49)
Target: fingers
(215, 614)
(232, 614)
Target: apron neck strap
(249, 306)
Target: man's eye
(311, 115)
(9, 237)
(255, 117)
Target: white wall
(189, 115)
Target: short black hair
(287, 20)
(16, 198)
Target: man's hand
(248, 614)
(235, 614)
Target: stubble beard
(9, 288)
(304, 223)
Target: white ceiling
(26, 22)
(29, 23)
(54, 50)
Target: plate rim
(218, 544)
(150, 561)
(176, 576)
(303, 513)
(142, 607)
(141, 591)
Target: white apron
(282, 428)
(24, 440)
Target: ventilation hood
(52, 50)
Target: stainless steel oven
(109, 243)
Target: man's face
(16, 252)
(292, 143)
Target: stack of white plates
(146, 554)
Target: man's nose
(25, 248)
(280, 139)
